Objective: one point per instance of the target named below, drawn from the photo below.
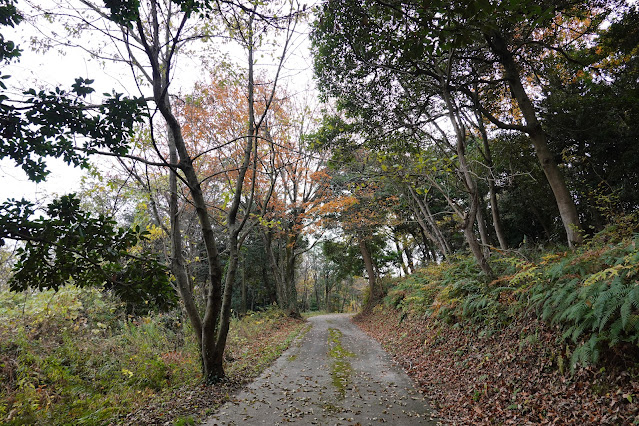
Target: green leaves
(71, 245)
(82, 87)
(59, 123)
(9, 15)
(123, 12)
(47, 124)
(598, 310)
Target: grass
(251, 348)
(341, 369)
(75, 356)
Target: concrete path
(336, 375)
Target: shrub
(591, 294)
(75, 356)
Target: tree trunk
(400, 255)
(424, 217)
(565, 201)
(469, 181)
(177, 259)
(211, 360)
(425, 246)
(492, 193)
(483, 230)
(215, 372)
(243, 289)
(471, 239)
(291, 289)
(494, 209)
(316, 288)
(276, 267)
(305, 298)
(327, 292)
(370, 270)
(272, 291)
(409, 259)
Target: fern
(611, 303)
(625, 311)
(557, 270)
(594, 297)
(578, 330)
(615, 333)
(634, 295)
(587, 353)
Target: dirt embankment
(509, 376)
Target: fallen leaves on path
(196, 402)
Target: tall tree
(297, 189)
(152, 34)
(590, 102)
(359, 208)
(481, 47)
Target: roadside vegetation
(552, 340)
(77, 357)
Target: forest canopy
(473, 92)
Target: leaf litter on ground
(511, 376)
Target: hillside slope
(552, 341)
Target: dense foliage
(504, 129)
(514, 116)
(590, 293)
(67, 243)
(76, 356)
(71, 245)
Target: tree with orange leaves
(289, 209)
(360, 207)
(211, 164)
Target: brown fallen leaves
(510, 376)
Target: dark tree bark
(373, 288)
(563, 197)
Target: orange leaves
(215, 126)
(286, 183)
(336, 205)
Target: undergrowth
(247, 348)
(591, 293)
(76, 357)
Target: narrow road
(336, 375)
